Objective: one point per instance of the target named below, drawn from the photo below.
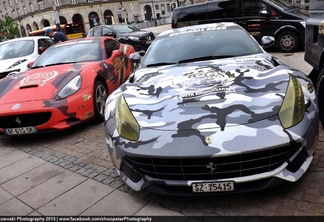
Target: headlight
(133, 38)
(70, 88)
(303, 24)
(17, 63)
(293, 107)
(126, 123)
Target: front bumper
(60, 114)
(152, 163)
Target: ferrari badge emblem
(18, 121)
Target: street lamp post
(154, 13)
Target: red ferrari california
(67, 85)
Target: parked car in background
(67, 85)
(276, 18)
(209, 111)
(15, 54)
(314, 49)
(127, 34)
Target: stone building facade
(36, 14)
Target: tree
(8, 28)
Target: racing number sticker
(119, 68)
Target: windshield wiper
(35, 67)
(160, 64)
(59, 63)
(198, 59)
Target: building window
(156, 7)
(0, 8)
(18, 12)
(40, 5)
(57, 2)
(168, 8)
(16, 2)
(13, 14)
(74, 1)
(25, 10)
(4, 5)
(10, 4)
(89, 0)
(31, 7)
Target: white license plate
(212, 187)
(21, 130)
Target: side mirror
(41, 50)
(29, 65)
(267, 41)
(135, 59)
(264, 13)
(111, 34)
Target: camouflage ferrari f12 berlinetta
(209, 111)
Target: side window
(251, 8)
(223, 9)
(50, 41)
(44, 43)
(105, 31)
(96, 32)
(110, 46)
(191, 15)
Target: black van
(314, 50)
(275, 18)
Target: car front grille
(224, 167)
(23, 120)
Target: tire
(320, 95)
(100, 95)
(288, 42)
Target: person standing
(57, 35)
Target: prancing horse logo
(211, 166)
(18, 120)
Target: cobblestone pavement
(83, 150)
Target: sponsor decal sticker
(37, 79)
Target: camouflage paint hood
(208, 94)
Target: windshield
(284, 5)
(203, 44)
(125, 28)
(16, 49)
(70, 52)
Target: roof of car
(195, 27)
(111, 26)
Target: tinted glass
(10, 50)
(45, 43)
(125, 28)
(252, 8)
(198, 12)
(284, 5)
(218, 42)
(223, 9)
(80, 51)
(110, 46)
(96, 32)
(105, 31)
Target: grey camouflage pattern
(211, 108)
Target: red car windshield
(70, 52)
